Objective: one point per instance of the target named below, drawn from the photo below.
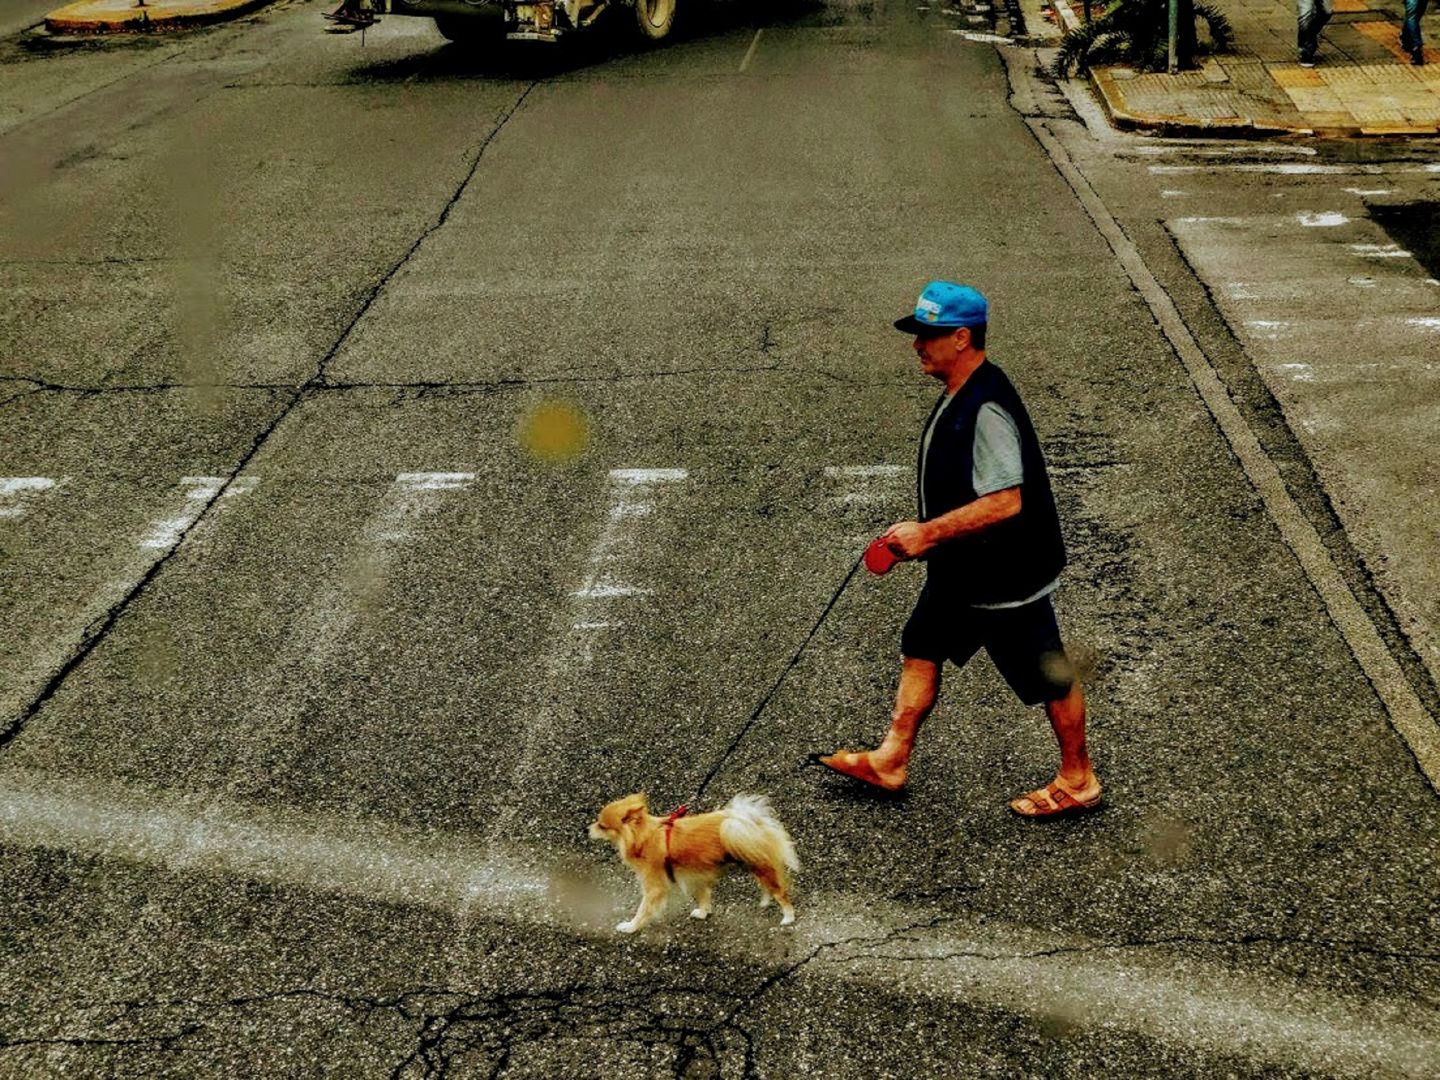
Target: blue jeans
(1312, 15)
(1410, 28)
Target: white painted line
(1362, 282)
(750, 53)
(1171, 194)
(578, 626)
(199, 492)
(1369, 191)
(1380, 251)
(1278, 169)
(123, 570)
(647, 476)
(840, 472)
(1424, 322)
(1214, 221)
(1408, 715)
(24, 485)
(16, 490)
(1324, 219)
(604, 591)
(1299, 372)
(1160, 991)
(868, 485)
(435, 481)
(984, 39)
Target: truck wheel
(465, 30)
(654, 17)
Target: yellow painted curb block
(128, 16)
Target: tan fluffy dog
(692, 851)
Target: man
(990, 535)
(1410, 38)
(1310, 18)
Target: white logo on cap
(927, 305)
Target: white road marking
(15, 490)
(1325, 219)
(314, 637)
(630, 498)
(1362, 282)
(1380, 251)
(1281, 169)
(435, 481)
(846, 471)
(869, 485)
(199, 492)
(1160, 991)
(1299, 372)
(1424, 322)
(750, 53)
(411, 497)
(1368, 191)
(985, 39)
(129, 565)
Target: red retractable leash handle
(880, 556)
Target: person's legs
(887, 765)
(1067, 719)
(1311, 18)
(1026, 647)
(1410, 37)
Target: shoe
(1307, 61)
(1056, 800)
(856, 767)
(1417, 58)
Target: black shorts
(1023, 642)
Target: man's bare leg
(1078, 784)
(886, 766)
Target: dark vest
(1016, 558)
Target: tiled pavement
(1363, 85)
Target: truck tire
(654, 18)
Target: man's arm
(914, 538)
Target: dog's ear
(635, 808)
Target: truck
(470, 21)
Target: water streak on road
(1157, 989)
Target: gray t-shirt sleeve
(998, 463)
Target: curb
(1112, 99)
(112, 17)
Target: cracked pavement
(312, 674)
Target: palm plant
(1137, 33)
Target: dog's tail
(753, 833)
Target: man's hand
(908, 539)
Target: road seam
(1406, 711)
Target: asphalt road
(410, 451)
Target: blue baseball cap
(945, 306)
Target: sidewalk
(1363, 85)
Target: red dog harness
(669, 826)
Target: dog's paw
(764, 899)
(699, 913)
(788, 919)
(628, 927)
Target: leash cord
(755, 716)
